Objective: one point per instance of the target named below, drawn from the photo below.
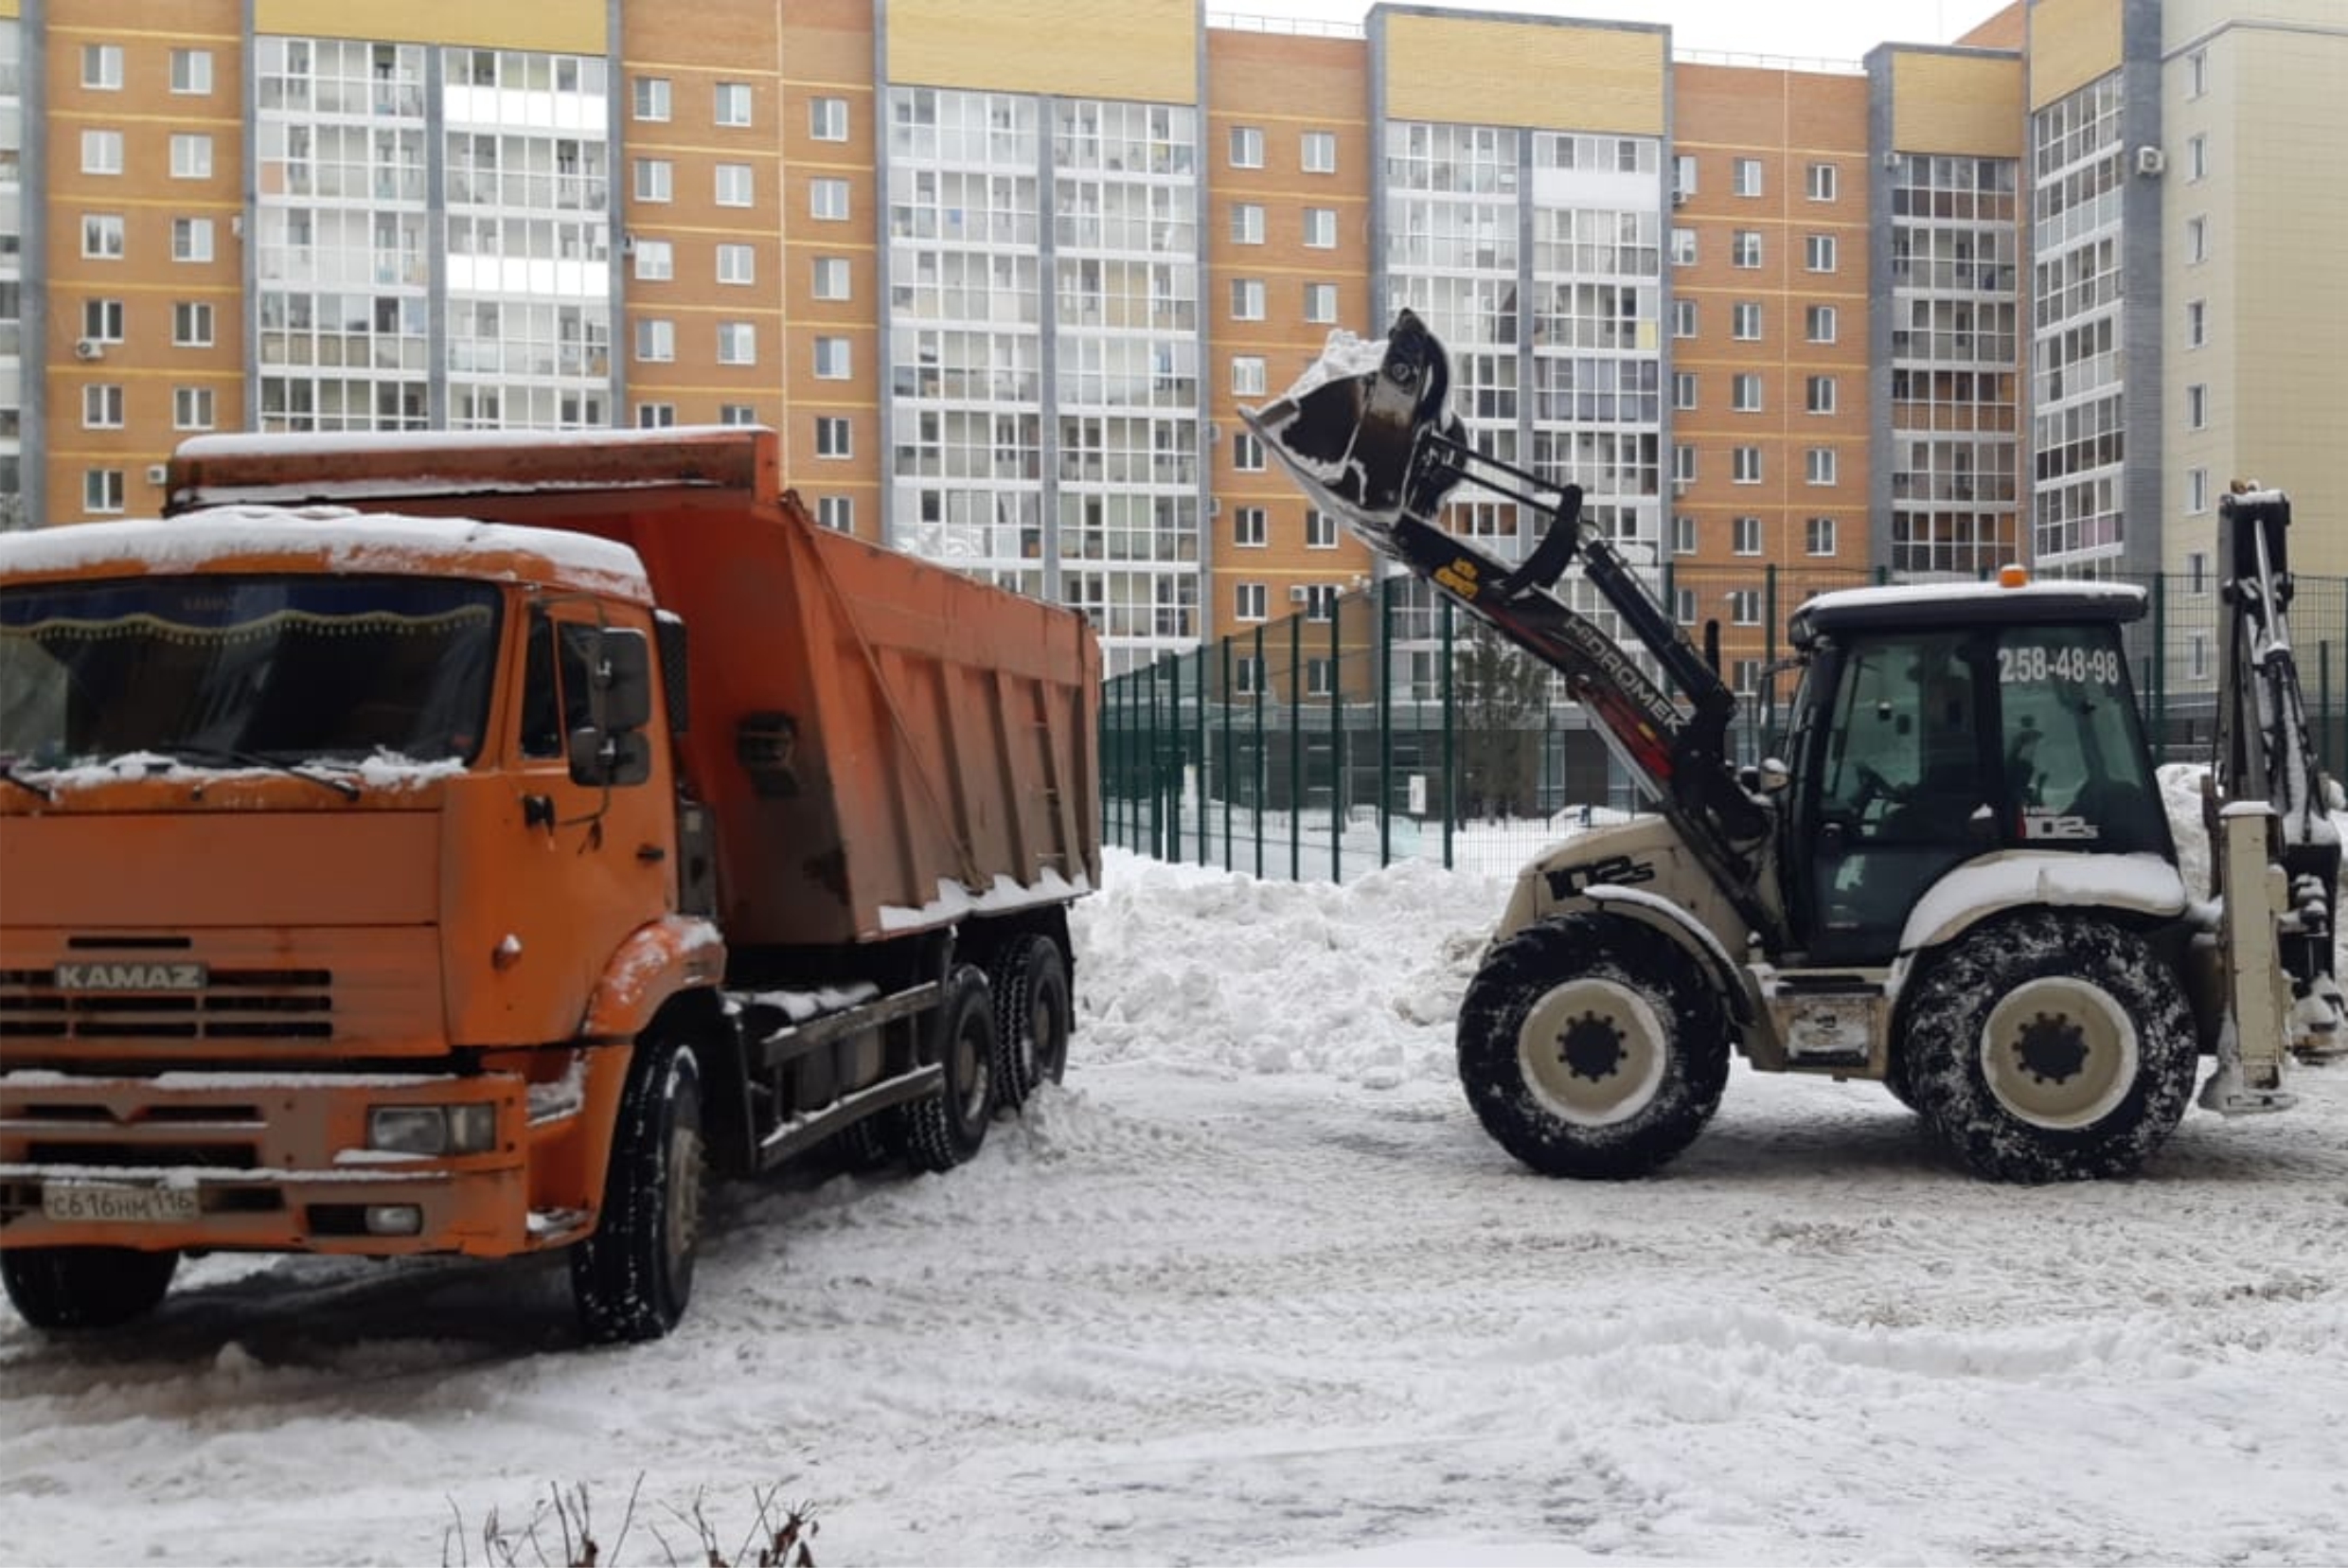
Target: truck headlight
(431, 1130)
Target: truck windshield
(265, 670)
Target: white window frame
(1248, 528)
(1745, 606)
(738, 265)
(830, 277)
(101, 67)
(1247, 147)
(192, 155)
(194, 408)
(1821, 395)
(1316, 152)
(834, 359)
(1745, 249)
(1821, 324)
(742, 179)
(1247, 375)
(651, 98)
(835, 438)
(1250, 601)
(2197, 323)
(192, 239)
(102, 491)
(1825, 181)
(1818, 536)
(2196, 240)
(1319, 228)
(1747, 467)
(829, 200)
(836, 512)
(1247, 299)
(1320, 529)
(1822, 466)
(103, 320)
(2198, 157)
(738, 343)
(1745, 536)
(656, 339)
(654, 181)
(1247, 452)
(656, 262)
(738, 413)
(2197, 405)
(1820, 254)
(192, 324)
(1683, 535)
(101, 151)
(1745, 178)
(1683, 247)
(827, 119)
(1683, 391)
(191, 72)
(104, 237)
(1745, 392)
(2196, 491)
(1683, 318)
(1321, 303)
(730, 103)
(1744, 312)
(101, 405)
(1247, 224)
(655, 415)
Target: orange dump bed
(883, 743)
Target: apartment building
(1002, 274)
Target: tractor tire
(946, 1127)
(1034, 1017)
(64, 1289)
(2050, 1047)
(632, 1278)
(1592, 1046)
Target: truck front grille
(234, 1006)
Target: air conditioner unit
(1299, 594)
(1215, 506)
(627, 245)
(2151, 160)
(1679, 197)
(1890, 158)
(89, 348)
(1679, 487)
(157, 474)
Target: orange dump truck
(473, 845)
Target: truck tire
(1592, 1046)
(946, 1127)
(631, 1278)
(67, 1288)
(2047, 1047)
(1034, 1017)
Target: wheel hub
(1590, 1048)
(1593, 1051)
(2059, 1052)
(2051, 1049)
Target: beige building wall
(2070, 43)
(1523, 72)
(1143, 50)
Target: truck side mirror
(610, 758)
(626, 679)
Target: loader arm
(1377, 448)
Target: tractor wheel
(1033, 1017)
(631, 1278)
(1593, 1046)
(946, 1127)
(2046, 1047)
(69, 1287)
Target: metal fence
(1384, 725)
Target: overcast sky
(1836, 30)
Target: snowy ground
(1254, 1288)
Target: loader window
(2074, 746)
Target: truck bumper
(267, 1162)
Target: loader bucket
(1348, 430)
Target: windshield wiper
(8, 772)
(189, 751)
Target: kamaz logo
(131, 977)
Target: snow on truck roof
(350, 542)
(1950, 603)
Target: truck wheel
(1592, 1046)
(632, 1277)
(946, 1127)
(67, 1288)
(2048, 1047)
(1033, 1017)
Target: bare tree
(1496, 691)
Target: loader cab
(1936, 726)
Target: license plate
(79, 1203)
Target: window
(1747, 177)
(1745, 606)
(656, 339)
(1821, 466)
(1247, 676)
(831, 277)
(1320, 529)
(101, 151)
(828, 119)
(1822, 182)
(1817, 323)
(655, 179)
(1247, 376)
(101, 67)
(1818, 253)
(102, 236)
(101, 408)
(1820, 396)
(1247, 299)
(738, 264)
(1684, 389)
(1683, 247)
(652, 97)
(836, 512)
(1683, 606)
(191, 238)
(1684, 465)
(191, 158)
(2198, 572)
(1684, 536)
(733, 186)
(1320, 603)
(1247, 224)
(1747, 469)
(1247, 147)
(1320, 152)
(738, 343)
(1319, 680)
(1247, 603)
(831, 359)
(1745, 676)
(2196, 157)
(655, 415)
(1746, 322)
(738, 413)
(191, 408)
(2197, 490)
(2196, 239)
(1682, 176)
(2196, 73)
(2197, 656)
(832, 437)
(656, 262)
(1746, 250)
(1683, 318)
(2196, 406)
(1745, 394)
(1818, 536)
(732, 103)
(1319, 228)
(828, 198)
(2197, 323)
(191, 325)
(102, 489)
(101, 320)
(191, 71)
(1746, 535)
(1247, 452)
(1321, 302)
(1247, 528)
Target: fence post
(1769, 657)
(2159, 725)
(1230, 769)
(1263, 761)
(1297, 748)
(1337, 745)
(1150, 768)
(1447, 733)
(1383, 643)
(1203, 774)
(2323, 699)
